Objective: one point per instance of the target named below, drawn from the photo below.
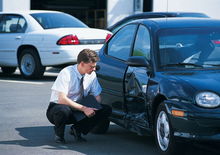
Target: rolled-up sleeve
(96, 89)
(61, 84)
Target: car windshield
(189, 48)
(57, 20)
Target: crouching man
(73, 84)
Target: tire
(102, 127)
(30, 64)
(8, 70)
(165, 140)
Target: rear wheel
(8, 70)
(30, 64)
(164, 133)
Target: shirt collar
(77, 72)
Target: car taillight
(216, 41)
(108, 37)
(68, 40)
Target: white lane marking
(22, 82)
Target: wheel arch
(27, 46)
(156, 102)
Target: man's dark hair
(87, 56)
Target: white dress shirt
(68, 82)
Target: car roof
(158, 15)
(28, 12)
(170, 14)
(178, 22)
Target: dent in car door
(113, 67)
(136, 80)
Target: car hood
(201, 80)
(82, 33)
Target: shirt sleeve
(61, 84)
(96, 88)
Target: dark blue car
(162, 77)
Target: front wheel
(30, 64)
(164, 133)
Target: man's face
(89, 67)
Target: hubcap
(163, 131)
(27, 64)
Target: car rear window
(57, 20)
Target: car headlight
(207, 99)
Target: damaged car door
(136, 79)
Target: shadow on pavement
(34, 136)
(116, 141)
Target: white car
(34, 40)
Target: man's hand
(89, 112)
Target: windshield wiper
(181, 64)
(216, 65)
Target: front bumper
(197, 123)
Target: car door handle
(18, 37)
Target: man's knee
(60, 113)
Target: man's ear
(81, 63)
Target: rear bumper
(200, 124)
(64, 54)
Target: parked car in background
(146, 15)
(35, 39)
(162, 77)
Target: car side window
(12, 24)
(120, 45)
(142, 43)
(123, 23)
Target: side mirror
(138, 61)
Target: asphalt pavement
(25, 130)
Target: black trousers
(61, 115)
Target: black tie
(81, 88)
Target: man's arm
(98, 98)
(63, 99)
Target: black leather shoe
(59, 139)
(77, 135)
